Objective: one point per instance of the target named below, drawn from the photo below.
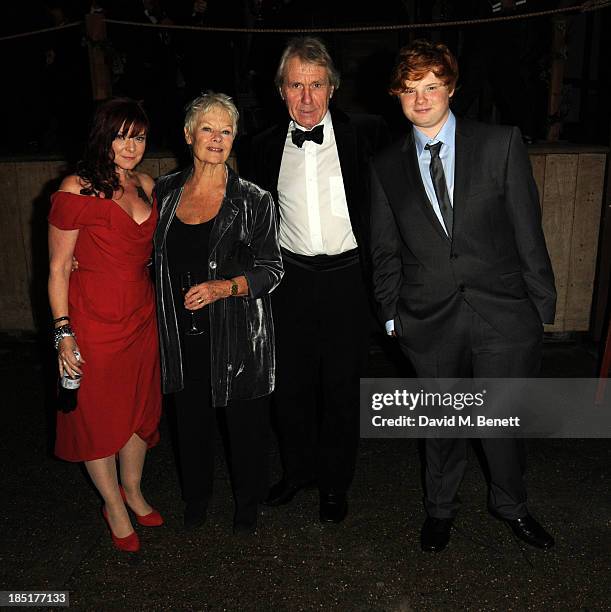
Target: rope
(53, 29)
(588, 6)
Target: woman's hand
(205, 293)
(66, 358)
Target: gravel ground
(53, 536)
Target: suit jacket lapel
(345, 140)
(463, 170)
(228, 210)
(273, 152)
(169, 203)
(415, 187)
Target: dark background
(55, 537)
(505, 67)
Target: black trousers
(321, 320)
(477, 350)
(247, 426)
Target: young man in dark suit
(461, 271)
(315, 163)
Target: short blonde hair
(204, 104)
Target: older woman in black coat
(217, 258)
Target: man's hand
(389, 326)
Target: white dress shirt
(314, 217)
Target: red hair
(419, 58)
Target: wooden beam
(556, 78)
(101, 84)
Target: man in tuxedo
(461, 271)
(315, 163)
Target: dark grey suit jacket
(497, 260)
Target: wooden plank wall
(570, 186)
(14, 273)
(571, 190)
(584, 242)
(24, 204)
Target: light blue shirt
(447, 154)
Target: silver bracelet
(62, 332)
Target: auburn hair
(419, 58)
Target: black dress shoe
(531, 532)
(284, 491)
(435, 534)
(333, 507)
(194, 515)
(244, 528)
(245, 519)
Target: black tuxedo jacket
(497, 260)
(357, 137)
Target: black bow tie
(299, 136)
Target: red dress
(112, 312)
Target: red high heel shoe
(130, 543)
(152, 519)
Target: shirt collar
(447, 135)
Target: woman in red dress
(105, 311)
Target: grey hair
(204, 104)
(310, 50)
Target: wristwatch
(234, 287)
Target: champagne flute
(188, 280)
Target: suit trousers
(247, 427)
(321, 319)
(477, 350)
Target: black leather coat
(242, 359)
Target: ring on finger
(199, 300)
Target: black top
(188, 248)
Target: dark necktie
(441, 189)
(299, 136)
